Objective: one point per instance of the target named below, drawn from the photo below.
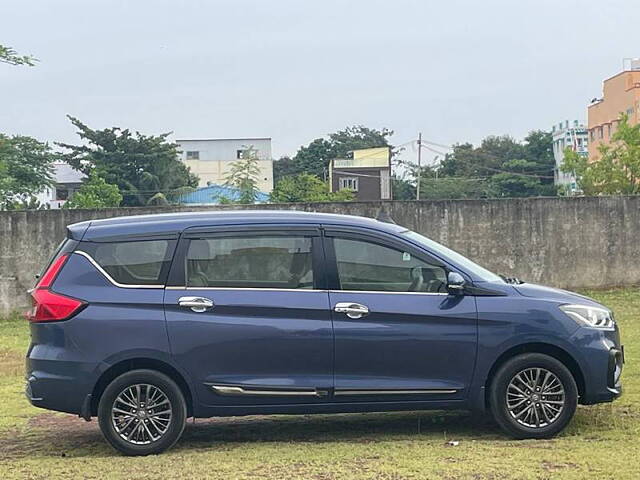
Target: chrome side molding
(234, 390)
(339, 392)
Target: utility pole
(419, 165)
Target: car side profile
(146, 321)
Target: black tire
(505, 417)
(165, 439)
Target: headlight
(590, 316)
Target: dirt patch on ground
(554, 467)
(49, 434)
(63, 422)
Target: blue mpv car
(145, 321)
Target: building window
(240, 154)
(62, 193)
(193, 155)
(350, 183)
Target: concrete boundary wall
(564, 242)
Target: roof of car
(174, 223)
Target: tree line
(127, 168)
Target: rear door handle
(352, 310)
(197, 304)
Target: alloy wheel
(535, 397)
(141, 414)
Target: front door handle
(353, 310)
(197, 304)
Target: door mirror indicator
(455, 283)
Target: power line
(448, 147)
(434, 150)
(513, 173)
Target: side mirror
(455, 283)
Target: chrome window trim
(389, 293)
(109, 277)
(256, 289)
(253, 289)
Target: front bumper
(614, 371)
(601, 364)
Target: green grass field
(602, 441)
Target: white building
(574, 136)
(210, 159)
(67, 181)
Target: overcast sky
(296, 70)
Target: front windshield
(455, 257)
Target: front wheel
(533, 396)
(142, 412)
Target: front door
(247, 316)
(398, 334)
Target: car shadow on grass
(51, 434)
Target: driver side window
(367, 266)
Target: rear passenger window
(133, 263)
(250, 262)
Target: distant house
(576, 137)
(215, 194)
(210, 159)
(67, 181)
(368, 174)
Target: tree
(402, 188)
(502, 167)
(9, 55)
(617, 171)
(284, 167)
(95, 193)
(515, 182)
(140, 165)
(484, 161)
(307, 188)
(315, 157)
(26, 169)
(243, 175)
(438, 188)
(357, 137)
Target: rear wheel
(533, 396)
(142, 412)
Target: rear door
(248, 315)
(398, 334)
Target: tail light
(50, 306)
